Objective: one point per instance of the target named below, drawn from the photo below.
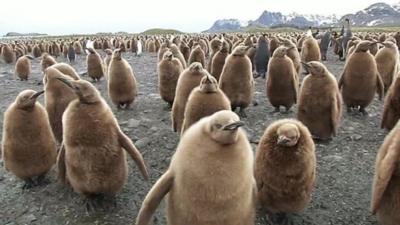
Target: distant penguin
(188, 80)
(139, 48)
(8, 54)
(178, 54)
(169, 70)
(197, 55)
(396, 36)
(210, 179)
(36, 51)
(28, 146)
(94, 64)
(236, 79)
(203, 101)
(71, 53)
(122, 85)
(387, 60)
(391, 111)
(262, 56)
(215, 46)
(218, 61)
(320, 103)
(285, 170)
(386, 184)
(310, 50)
(360, 79)
(282, 82)
(184, 48)
(66, 70)
(92, 159)
(23, 68)
(346, 34)
(273, 44)
(324, 44)
(293, 54)
(47, 60)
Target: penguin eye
(218, 126)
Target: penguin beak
(305, 65)
(37, 94)
(67, 82)
(282, 140)
(234, 125)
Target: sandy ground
(345, 165)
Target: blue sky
(85, 16)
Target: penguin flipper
(127, 144)
(61, 164)
(154, 197)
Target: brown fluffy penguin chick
(285, 169)
(122, 87)
(178, 54)
(8, 54)
(391, 112)
(168, 69)
(23, 67)
(236, 79)
(94, 65)
(293, 54)
(215, 46)
(92, 159)
(66, 70)
(218, 61)
(360, 79)
(47, 60)
(204, 101)
(386, 185)
(320, 103)
(29, 148)
(282, 82)
(210, 178)
(387, 60)
(310, 50)
(108, 57)
(188, 80)
(197, 55)
(57, 98)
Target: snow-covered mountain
(378, 14)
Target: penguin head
(389, 43)
(315, 68)
(364, 46)
(225, 47)
(26, 99)
(240, 50)
(117, 54)
(86, 92)
(288, 135)
(195, 67)
(223, 127)
(208, 84)
(168, 55)
(280, 52)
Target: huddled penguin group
(214, 177)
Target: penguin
(139, 48)
(188, 80)
(293, 54)
(122, 85)
(203, 101)
(66, 70)
(387, 61)
(385, 188)
(262, 56)
(47, 60)
(396, 36)
(310, 50)
(320, 104)
(28, 147)
(168, 69)
(108, 57)
(360, 79)
(71, 53)
(36, 51)
(215, 46)
(236, 79)
(77, 47)
(94, 65)
(285, 169)
(163, 48)
(57, 97)
(324, 44)
(197, 55)
(210, 178)
(178, 54)
(91, 159)
(23, 68)
(8, 54)
(273, 44)
(185, 50)
(391, 107)
(218, 61)
(282, 82)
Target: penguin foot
(363, 112)
(92, 203)
(29, 183)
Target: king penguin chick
(94, 65)
(282, 83)
(386, 185)
(92, 159)
(204, 101)
(391, 112)
(29, 148)
(360, 79)
(236, 79)
(387, 60)
(320, 103)
(210, 179)
(285, 169)
(122, 87)
(23, 67)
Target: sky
(56, 17)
